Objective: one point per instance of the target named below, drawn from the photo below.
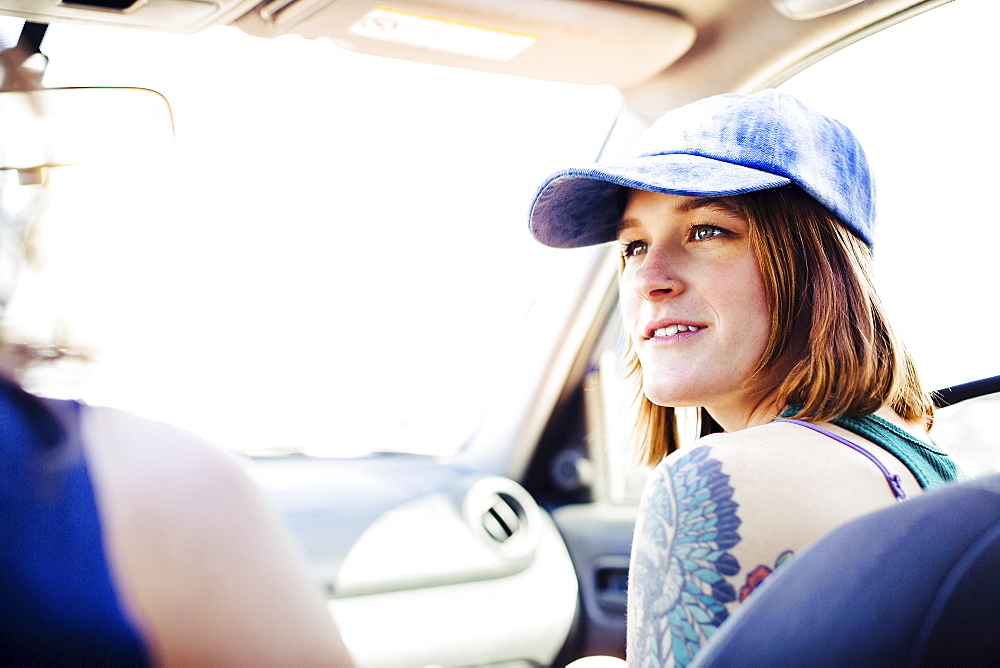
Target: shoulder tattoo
(759, 574)
(687, 524)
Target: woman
(127, 542)
(745, 226)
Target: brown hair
(831, 344)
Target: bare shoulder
(165, 485)
(156, 456)
(160, 484)
(201, 559)
(779, 470)
(718, 517)
(784, 461)
(758, 456)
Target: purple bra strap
(894, 483)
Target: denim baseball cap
(722, 145)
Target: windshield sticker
(393, 25)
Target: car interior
(499, 532)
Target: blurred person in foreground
(125, 541)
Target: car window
(920, 97)
(334, 256)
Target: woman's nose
(656, 277)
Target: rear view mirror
(52, 127)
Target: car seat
(915, 584)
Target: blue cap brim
(583, 206)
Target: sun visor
(574, 41)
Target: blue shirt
(58, 603)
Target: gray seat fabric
(917, 584)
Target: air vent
(503, 520)
(504, 517)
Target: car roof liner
(950, 396)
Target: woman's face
(693, 301)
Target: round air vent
(504, 515)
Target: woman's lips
(671, 330)
(662, 329)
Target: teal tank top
(928, 464)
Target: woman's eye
(705, 232)
(634, 248)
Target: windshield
(333, 259)
(333, 256)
